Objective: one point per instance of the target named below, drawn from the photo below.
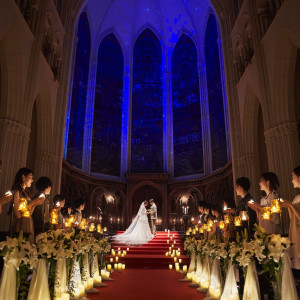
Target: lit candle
(178, 254)
(168, 241)
(119, 253)
(177, 269)
(237, 221)
(116, 266)
(90, 283)
(111, 260)
(221, 224)
(180, 260)
(122, 255)
(275, 206)
(226, 219)
(266, 213)
(119, 267)
(184, 269)
(108, 267)
(175, 259)
(170, 267)
(119, 249)
(244, 215)
(98, 279)
(117, 258)
(168, 232)
(123, 266)
(65, 296)
(188, 276)
(113, 253)
(167, 253)
(127, 249)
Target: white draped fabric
(205, 275)
(60, 286)
(192, 265)
(8, 281)
(39, 288)
(138, 233)
(199, 266)
(288, 288)
(251, 287)
(230, 289)
(216, 281)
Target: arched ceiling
(127, 18)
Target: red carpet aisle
(147, 284)
(152, 255)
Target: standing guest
(23, 181)
(294, 212)
(269, 185)
(7, 197)
(59, 203)
(41, 215)
(79, 207)
(242, 186)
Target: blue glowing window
(187, 129)
(215, 96)
(147, 122)
(107, 124)
(79, 93)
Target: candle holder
(266, 213)
(201, 230)
(210, 223)
(53, 216)
(82, 224)
(72, 219)
(226, 219)
(275, 206)
(22, 204)
(244, 215)
(237, 221)
(221, 224)
(92, 227)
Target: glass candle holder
(22, 204)
(226, 219)
(210, 223)
(266, 213)
(244, 215)
(92, 227)
(275, 206)
(237, 221)
(221, 224)
(72, 219)
(53, 216)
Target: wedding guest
(7, 197)
(79, 207)
(23, 181)
(217, 217)
(229, 228)
(242, 186)
(41, 215)
(294, 212)
(59, 203)
(269, 185)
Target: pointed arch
(79, 93)
(215, 95)
(187, 129)
(107, 121)
(147, 110)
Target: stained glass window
(79, 93)
(187, 129)
(107, 123)
(215, 95)
(147, 115)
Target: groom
(153, 216)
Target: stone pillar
(225, 104)
(70, 99)
(204, 107)
(89, 117)
(126, 123)
(13, 152)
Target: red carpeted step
(152, 254)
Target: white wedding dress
(138, 233)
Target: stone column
(70, 99)
(204, 107)
(13, 152)
(225, 105)
(89, 117)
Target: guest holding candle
(242, 186)
(7, 197)
(59, 203)
(294, 212)
(79, 207)
(41, 215)
(269, 185)
(21, 219)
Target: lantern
(221, 224)
(53, 216)
(210, 223)
(22, 204)
(275, 206)
(266, 213)
(72, 219)
(92, 227)
(26, 213)
(244, 215)
(82, 224)
(237, 221)
(226, 219)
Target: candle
(116, 266)
(168, 232)
(210, 223)
(167, 253)
(244, 215)
(53, 216)
(188, 276)
(275, 206)
(178, 254)
(195, 279)
(117, 258)
(98, 279)
(119, 249)
(109, 267)
(111, 260)
(127, 249)
(174, 242)
(266, 213)
(72, 219)
(168, 241)
(226, 219)
(180, 260)
(237, 221)
(172, 246)
(119, 252)
(171, 238)
(170, 267)
(65, 296)
(177, 269)
(90, 283)
(22, 204)
(122, 255)
(221, 224)
(113, 253)
(119, 267)
(175, 259)
(123, 266)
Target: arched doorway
(147, 192)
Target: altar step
(151, 255)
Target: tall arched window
(107, 124)
(147, 122)
(215, 95)
(187, 130)
(79, 93)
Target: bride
(138, 233)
